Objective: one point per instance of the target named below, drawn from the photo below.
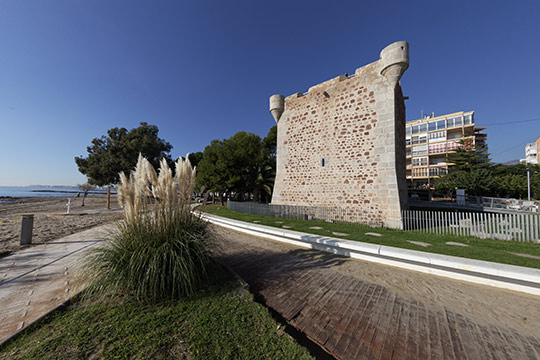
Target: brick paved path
(356, 319)
(35, 280)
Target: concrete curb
(504, 276)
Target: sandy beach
(50, 219)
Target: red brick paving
(354, 319)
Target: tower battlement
(394, 59)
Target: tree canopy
(469, 157)
(195, 158)
(499, 181)
(118, 151)
(244, 163)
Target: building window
(453, 145)
(437, 125)
(438, 171)
(437, 148)
(420, 128)
(323, 162)
(420, 139)
(437, 135)
(420, 172)
(420, 161)
(455, 121)
(420, 150)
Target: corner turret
(277, 106)
(394, 61)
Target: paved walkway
(36, 280)
(357, 315)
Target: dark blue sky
(203, 70)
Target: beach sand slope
(50, 220)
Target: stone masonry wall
(342, 144)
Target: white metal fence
(523, 227)
(518, 227)
(510, 204)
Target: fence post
(507, 221)
(498, 223)
(476, 222)
(519, 227)
(522, 227)
(529, 228)
(484, 224)
(492, 223)
(26, 229)
(406, 219)
(445, 222)
(469, 221)
(489, 224)
(536, 229)
(459, 218)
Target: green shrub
(160, 250)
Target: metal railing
(518, 226)
(510, 204)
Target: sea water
(43, 191)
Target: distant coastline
(91, 192)
(45, 191)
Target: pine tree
(469, 157)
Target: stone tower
(342, 144)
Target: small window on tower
(323, 162)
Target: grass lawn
(220, 322)
(480, 249)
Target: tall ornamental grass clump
(160, 250)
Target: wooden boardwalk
(355, 319)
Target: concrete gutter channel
(504, 276)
